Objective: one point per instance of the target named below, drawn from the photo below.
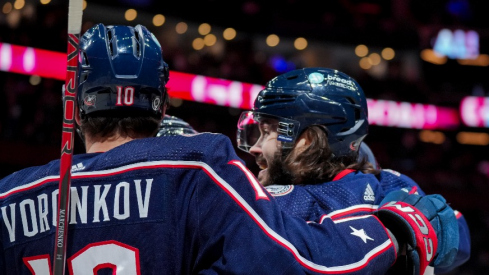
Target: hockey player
(305, 131)
(179, 204)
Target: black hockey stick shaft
(75, 12)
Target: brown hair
(102, 128)
(316, 163)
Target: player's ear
(303, 142)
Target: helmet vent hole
(136, 35)
(292, 77)
(104, 91)
(138, 50)
(138, 41)
(111, 49)
(85, 59)
(110, 35)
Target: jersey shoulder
(351, 194)
(393, 180)
(203, 147)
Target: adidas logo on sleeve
(369, 194)
(77, 167)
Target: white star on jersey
(361, 234)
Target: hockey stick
(75, 13)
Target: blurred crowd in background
(30, 111)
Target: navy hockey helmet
(121, 70)
(310, 96)
(173, 126)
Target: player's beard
(277, 172)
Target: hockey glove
(428, 227)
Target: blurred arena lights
(30, 61)
(480, 60)
(469, 138)
(204, 29)
(474, 111)
(7, 8)
(371, 60)
(222, 92)
(19, 4)
(388, 53)
(300, 43)
(361, 50)
(374, 59)
(411, 115)
(198, 43)
(181, 28)
(280, 64)
(435, 137)
(365, 63)
(130, 14)
(229, 34)
(457, 44)
(210, 40)
(159, 20)
(432, 57)
(272, 40)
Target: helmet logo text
(341, 82)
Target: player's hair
(102, 128)
(316, 164)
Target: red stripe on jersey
(281, 241)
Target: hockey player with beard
(181, 204)
(306, 130)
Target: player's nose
(255, 150)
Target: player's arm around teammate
(305, 131)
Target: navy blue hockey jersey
(175, 205)
(354, 193)
(351, 193)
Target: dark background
(30, 116)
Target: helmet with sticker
(311, 96)
(121, 71)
